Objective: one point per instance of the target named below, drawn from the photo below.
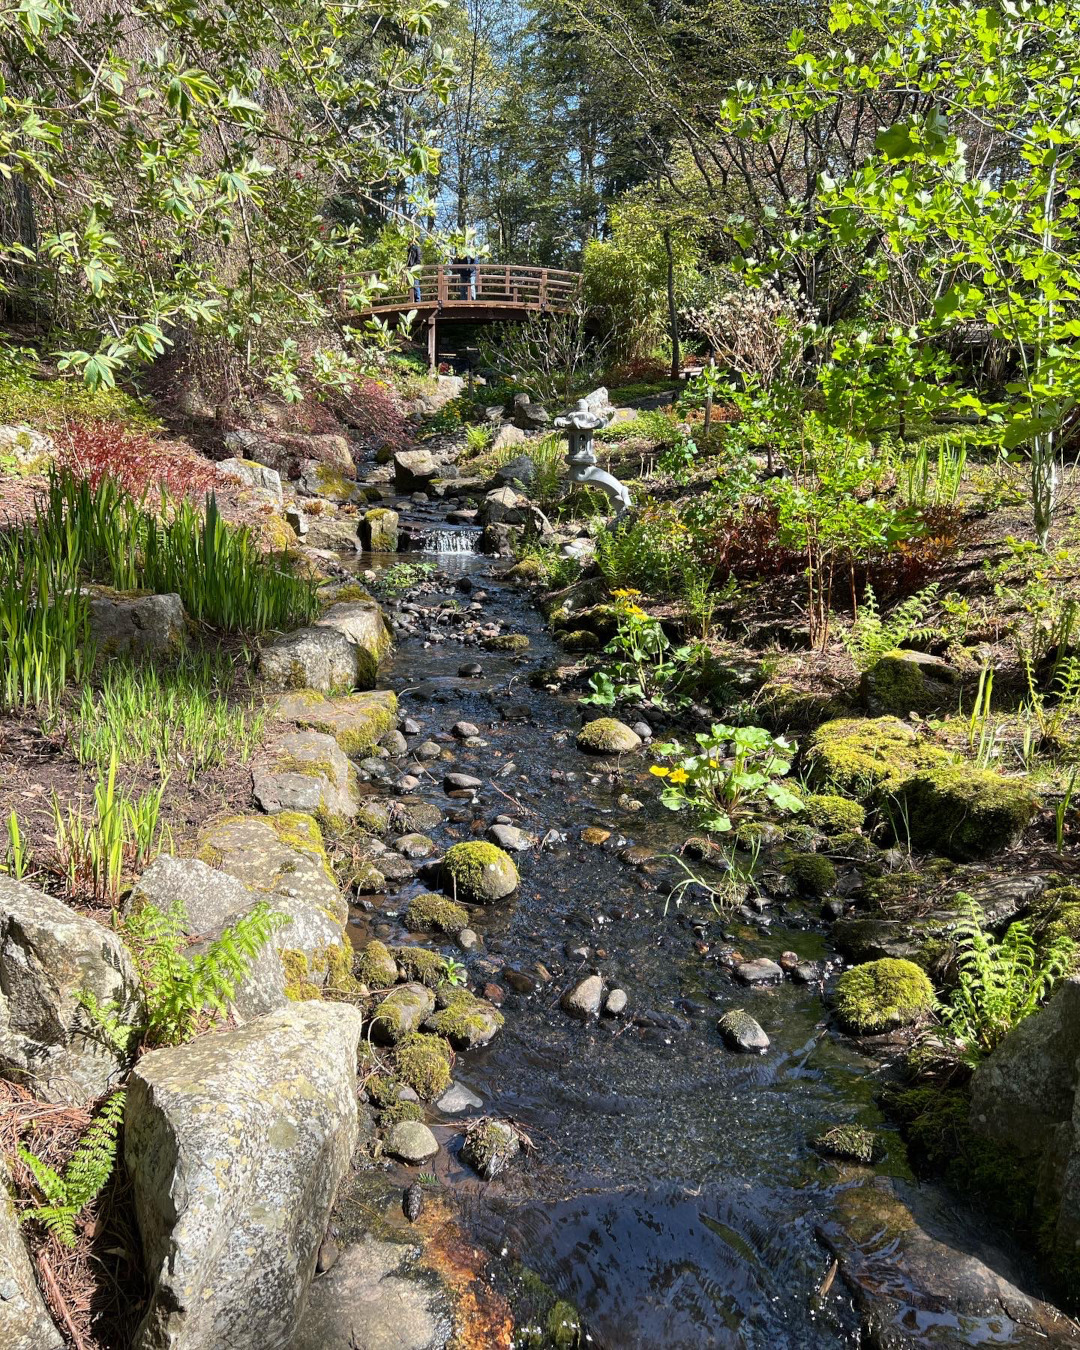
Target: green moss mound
(881, 995)
(854, 1143)
(812, 873)
(430, 913)
(466, 1020)
(423, 1063)
(421, 965)
(578, 640)
(965, 812)
(480, 871)
(834, 814)
(375, 966)
(858, 756)
(507, 642)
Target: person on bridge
(413, 259)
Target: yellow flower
(714, 763)
(625, 593)
(660, 771)
(679, 776)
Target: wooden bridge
(480, 293)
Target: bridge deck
(478, 291)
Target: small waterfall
(450, 541)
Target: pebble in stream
(413, 1201)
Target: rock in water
(585, 998)
(411, 1141)
(741, 1032)
(490, 1146)
(236, 1144)
(414, 1201)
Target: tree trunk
(673, 313)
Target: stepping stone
(411, 1141)
(457, 1099)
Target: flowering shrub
(140, 464)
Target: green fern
(871, 636)
(87, 1171)
(106, 1018)
(999, 982)
(179, 989)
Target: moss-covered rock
(356, 721)
(420, 964)
(812, 873)
(430, 913)
(882, 995)
(376, 966)
(423, 1063)
(853, 1143)
(1056, 914)
(465, 1020)
(379, 531)
(834, 814)
(902, 682)
(490, 1146)
(607, 735)
(480, 872)
(966, 812)
(578, 640)
(529, 570)
(401, 1012)
(860, 755)
(507, 642)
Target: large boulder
(202, 896)
(236, 1144)
(122, 625)
(310, 658)
(306, 771)
(285, 452)
(53, 961)
(506, 436)
(414, 470)
(281, 854)
(501, 506)
(254, 475)
(361, 622)
(860, 755)
(317, 479)
(25, 1323)
(356, 721)
(32, 450)
(1024, 1099)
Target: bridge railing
(496, 285)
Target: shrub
(881, 995)
(134, 460)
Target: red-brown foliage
(139, 463)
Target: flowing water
(672, 1196)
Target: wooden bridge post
(432, 349)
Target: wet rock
(457, 1099)
(122, 625)
(467, 940)
(808, 972)
(236, 1143)
(372, 1299)
(49, 956)
(510, 838)
(402, 1011)
(25, 1323)
(465, 1020)
(607, 735)
(461, 782)
(410, 726)
(471, 671)
(506, 642)
(395, 743)
(741, 1032)
(489, 1147)
(519, 981)
(853, 1143)
(615, 1003)
(428, 750)
(464, 730)
(414, 846)
(585, 998)
(411, 1141)
(760, 971)
(592, 835)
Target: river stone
(253, 475)
(479, 872)
(379, 530)
(123, 625)
(276, 855)
(356, 721)
(311, 658)
(411, 1141)
(428, 750)
(305, 771)
(465, 730)
(236, 1144)
(25, 1323)
(465, 1020)
(489, 1147)
(615, 1004)
(402, 1011)
(459, 782)
(362, 624)
(584, 999)
(510, 838)
(761, 971)
(414, 846)
(395, 743)
(607, 735)
(49, 954)
(741, 1032)
(373, 1300)
(414, 470)
(457, 1099)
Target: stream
(672, 1196)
